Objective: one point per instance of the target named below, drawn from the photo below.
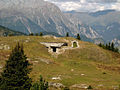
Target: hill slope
(88, 64)
(5, 32)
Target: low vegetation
(75, 68)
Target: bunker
(54, 47)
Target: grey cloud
(86, 5)
(92, 1)
(102, 1)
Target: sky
(86, 5)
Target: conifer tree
(109, 46)
(36, 34)
(41, 34)
(100, 45)
(112, 46)
(41, 85)
(31, 34)
(15, 74)
(78, 37)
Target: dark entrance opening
(75, 44)
(54, 49)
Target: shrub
(89, 87)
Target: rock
(44, 60)
(26, 41)
(1, 67)
(82, 74)
(1, 47)
(80, 86)
(72, 70)
(56, 78)
(100, 85)
(56, 85)
(36, 61)
(28, 59)
(6, 47)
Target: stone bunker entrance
(75, 44)
(54, 47)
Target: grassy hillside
(5, 32)
(88, 64)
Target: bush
(89, 87)
(104, 72)
(66, 88)
(41, 85)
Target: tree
(67, 34)
(36, 34)
(11, 34)
(41, 85)
(15, 74)
(112, 46)
(78, 37)
(41, 34)
(100, 45)
(31, 34)
(109, 46)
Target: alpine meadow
(59, 45)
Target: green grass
(70, 64)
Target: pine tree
(41, 85)
(112, 46)
(15, 74)
(41, 34)
(67, 34)
(31, 34)
(78, 37)
(100, 45)
(109, 46)
(36, 34)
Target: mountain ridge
(6, 32)
(40, 17)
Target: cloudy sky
(86, 5)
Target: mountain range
(35, 16)
(105, 23)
